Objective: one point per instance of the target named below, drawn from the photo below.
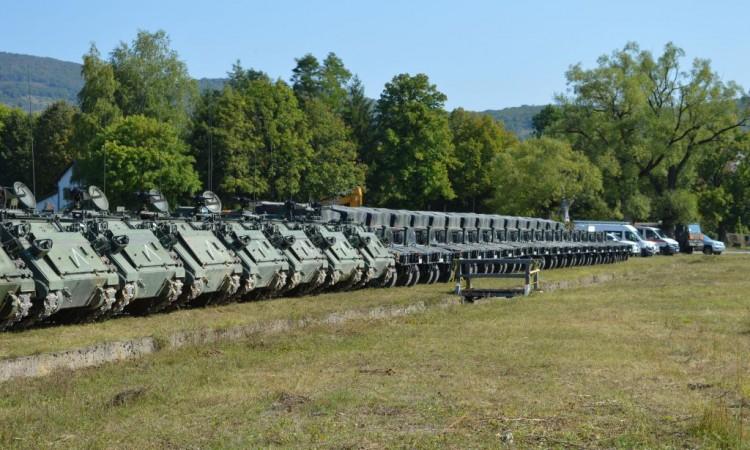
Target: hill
(48, 80)
(517, 119)
(41, 81)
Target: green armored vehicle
(16, 282)
(346, 265)
(380, 265)
(151, 277)
(73, 283)
(309, 265)
(265, 269)
(212, 271)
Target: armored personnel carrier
(346, 265)
(308, 264)
(73, 283)
(150, 276)
(380, 265)
(265, 269)
(212, 271)
(16, 282)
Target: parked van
(623, 231)
(667, 246)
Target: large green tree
(478, 140)
(152, 80)
(359, 115)
(16, 133)
(645, 121)
(540, 177)
(256, 135)
(328, 81)
(333, 169)
(53, 146)
(410, 166)
(136, 153)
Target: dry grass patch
(657, 359)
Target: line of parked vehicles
(87, 263)
(650, 240)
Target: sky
(481, 54)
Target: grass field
(658, 358)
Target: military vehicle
(309, 265)
(431, 260)
(151, 277)
(408, 257)
(212, 271)
(16, 281)
(380, 264)
(73, 283)
(440, 236)
(265, 269)
(89, 263)
(346, 265)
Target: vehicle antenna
(33, 166)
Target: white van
(623, 231)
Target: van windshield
(658, 233)
(694, 228)
(630, 236)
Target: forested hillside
(45, 79)
(517, 119)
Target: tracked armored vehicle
(265, 269)
(380, 265)
(408, 257)
(151, 277)
(73, 283)
(212, 272)
(309, 265)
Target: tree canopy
(646, 122)
(136, 153)
(415, 150)
(539, 175)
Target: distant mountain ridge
(37, 80)
(517, 118)
(41, 81)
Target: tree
(415, 149)
(540, 176)
(53, 148)
(136, 153)
(16, 130)
(306, 77)
(152, 80)
(328, 81)
(546, 117)
(645, 122)
(359, 116)
(478, 140)
(96, 100)
(333, 169)
(257, 135)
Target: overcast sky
(482, 54)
